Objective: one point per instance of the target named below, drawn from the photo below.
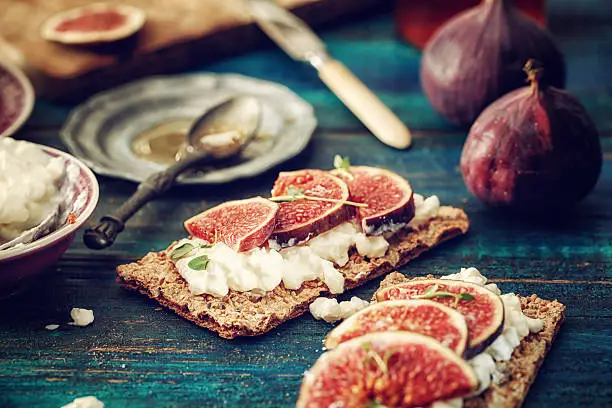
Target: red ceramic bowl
(19, 265)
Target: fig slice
(393, 369)
(484, 313)
(421, 316)
(93, 24)
(388, 195)
(298, 221)
(242, 224)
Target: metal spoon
(220, 133)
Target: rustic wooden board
(135, 355)
(177, 34)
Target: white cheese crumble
(29, 186)
(85, 402)
(516, 327)
(472, 275)
(260, 269)
(452, 403)
(424, 209)
(52, 326)
(334, 244)
(331, 311)
(81, 317)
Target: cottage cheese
(516, 327)
(85, 402)
(424, 209)
(334, 244)
(81, 317)
(260, 269)
(29, 186)
(331, 311)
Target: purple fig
(478, 55)
(535, 149)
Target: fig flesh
(421, 316)
(484, 314)
(535, 149)
(393, 369)
(93, 24)
(298, 221)
(242, 224)
(477, 57)
(389, 198)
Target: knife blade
(294, 37)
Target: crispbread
(249, 314)
(520, 372)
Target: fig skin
(535, 150)
(478, 56)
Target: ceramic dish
(16, 98)
(20, 264)
(101, 130)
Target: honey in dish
(161, 143)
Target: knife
(302, 44)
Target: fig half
(417, 316)
(242, 224)
(392, 369)
(482, 309)
(299, 220)
(93, 24)
(389, 198)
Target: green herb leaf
(294, 191)
(182, 251)
(342, 163)
(433, 292)
(466, 296)
(206, 246)
(366, 346)
(199, 263)
(375, 404)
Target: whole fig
(477, 56)
(535, 149)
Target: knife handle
(374, 114)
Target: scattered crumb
(331, 311)
(52, 326)
(81, 317)
(85, 402)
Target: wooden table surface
(137, 355)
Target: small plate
(101, 130)
(16, 98)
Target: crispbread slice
(249, 314)
(520, 372)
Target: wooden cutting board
(176, 35)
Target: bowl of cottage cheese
(45, 196)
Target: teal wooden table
(137, 355)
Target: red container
(417, 20)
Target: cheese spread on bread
(263, 269)
(516, 327)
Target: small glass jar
(417, 20)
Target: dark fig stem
(534, 71)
